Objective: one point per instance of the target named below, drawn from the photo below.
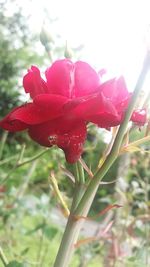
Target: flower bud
(45, 37)
(68, 52)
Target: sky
(114, 32)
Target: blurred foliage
(17, 50)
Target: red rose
(61, 107)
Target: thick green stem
(73, 225)
(81, 173)
(71, 231)
(67, 245)
(79, 191)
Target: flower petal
(67, 135)
(105, 108)
(106, 119)
(86, 79)
(11, 124)
(94, 105)
(139, 117)
(74, 149)
(115, 90)
(72, 80)
(95, 108)
(51, 102)
(59, 77)
(33, 83)
(45, 107)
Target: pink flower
(61, 106)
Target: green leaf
(50, 232)
(24, 252)
(39, 226)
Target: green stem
(18, 165)
(79, 191)
(67, 245)
(73, 225)
(55, 187)
(71, 233)
(49, 52)
(4, 161)
(76, 173)
(3, 141)
(3, 257)
(32, 158)
(81, 173)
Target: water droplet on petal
(52, 139)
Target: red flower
(72, 96)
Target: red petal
(86, 79)
(95, 108)
(139, 117)
(45, 107)
(122, 106)
(115, 90)
(72, 80)
(29, 114)
(105, 108)
(76, 138)
(11, 124)
(52, 103)
(106, 119)
(33, 83)
(67, 135)
(59, 77)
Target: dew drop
(52, 139)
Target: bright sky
(113, 31)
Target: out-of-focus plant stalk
(73, 226)
(3, 141)
(19, 164)
(3, 257)
(53, 182)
